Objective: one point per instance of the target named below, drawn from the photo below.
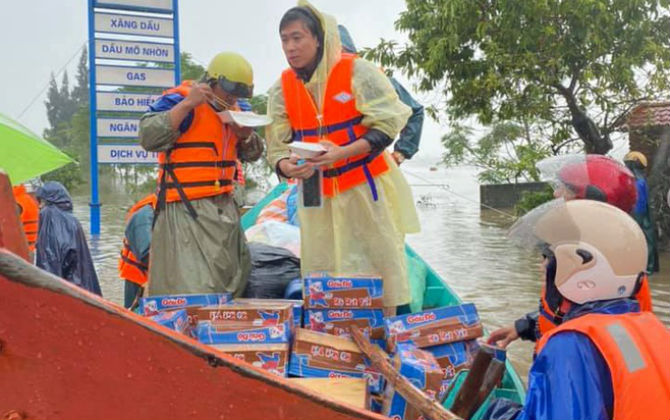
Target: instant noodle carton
(342, 292)
(297, 306)
(175, 320)
(270, 357)
(319, 355)
(207, 333)
(338, 321)
(434, 327)
(422, 370)
(246, 315)
(452, 358)
(154, 304)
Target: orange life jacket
(201, 163)
(340, 124)
(30, 214)
(130, 267)
(549, 319)
(636, 348)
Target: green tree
(190, 70)
(576, 65)
(80, 91)
(507, 153)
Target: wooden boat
(65, 353)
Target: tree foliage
(575, 66)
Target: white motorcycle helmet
(600, 251)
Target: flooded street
(468, 248)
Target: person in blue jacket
(607, 360)
(408, 141)
(61, 247)
(637, 163)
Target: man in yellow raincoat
(348, 105)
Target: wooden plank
(352, 391)
(484, 375)
(12, 236)
(427, 406)
(66, 353)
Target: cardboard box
(208, 334)
(299, 366)
(434, 327)
(175, 320)
(422, 370)
(453, 358)
(270, 357)
(297, 306)
(323, 355)
(246, 315)
(328, 351)
(343, 292)
(154, 304)
(338, 321)
(352, 391)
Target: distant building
(648, 127)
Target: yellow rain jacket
(352, 233)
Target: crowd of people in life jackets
(600, 352)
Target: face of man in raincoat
(300, 45)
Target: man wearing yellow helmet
(197, 244)
(637, 163)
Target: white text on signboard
(118, 127)
(125, 153)
(141, 51)
(133, 25)
(134, 76)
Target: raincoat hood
(346, 40)
(53, 193)
(332, 52)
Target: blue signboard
(118, 89)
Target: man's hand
(291, 169)
(241, 132)
(333, 154)
(199, 94)
(398, 157)
(502, 337)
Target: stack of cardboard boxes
(422, 370)
(258, 332)
(448, 333)
(165, 309)
(333, 304)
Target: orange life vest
(130, 267)
(340, 124)
(636, 348)
(201, 163)
(549, 319)
(30, 214)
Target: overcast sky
(40, 36)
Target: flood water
(466, 246)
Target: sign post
(133, 53)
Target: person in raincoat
(637, 163)
(408, 141)
(348, 105)
(61, 242)
(607, 360)
(197, 244)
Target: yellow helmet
(233, 73)
(636, 157)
